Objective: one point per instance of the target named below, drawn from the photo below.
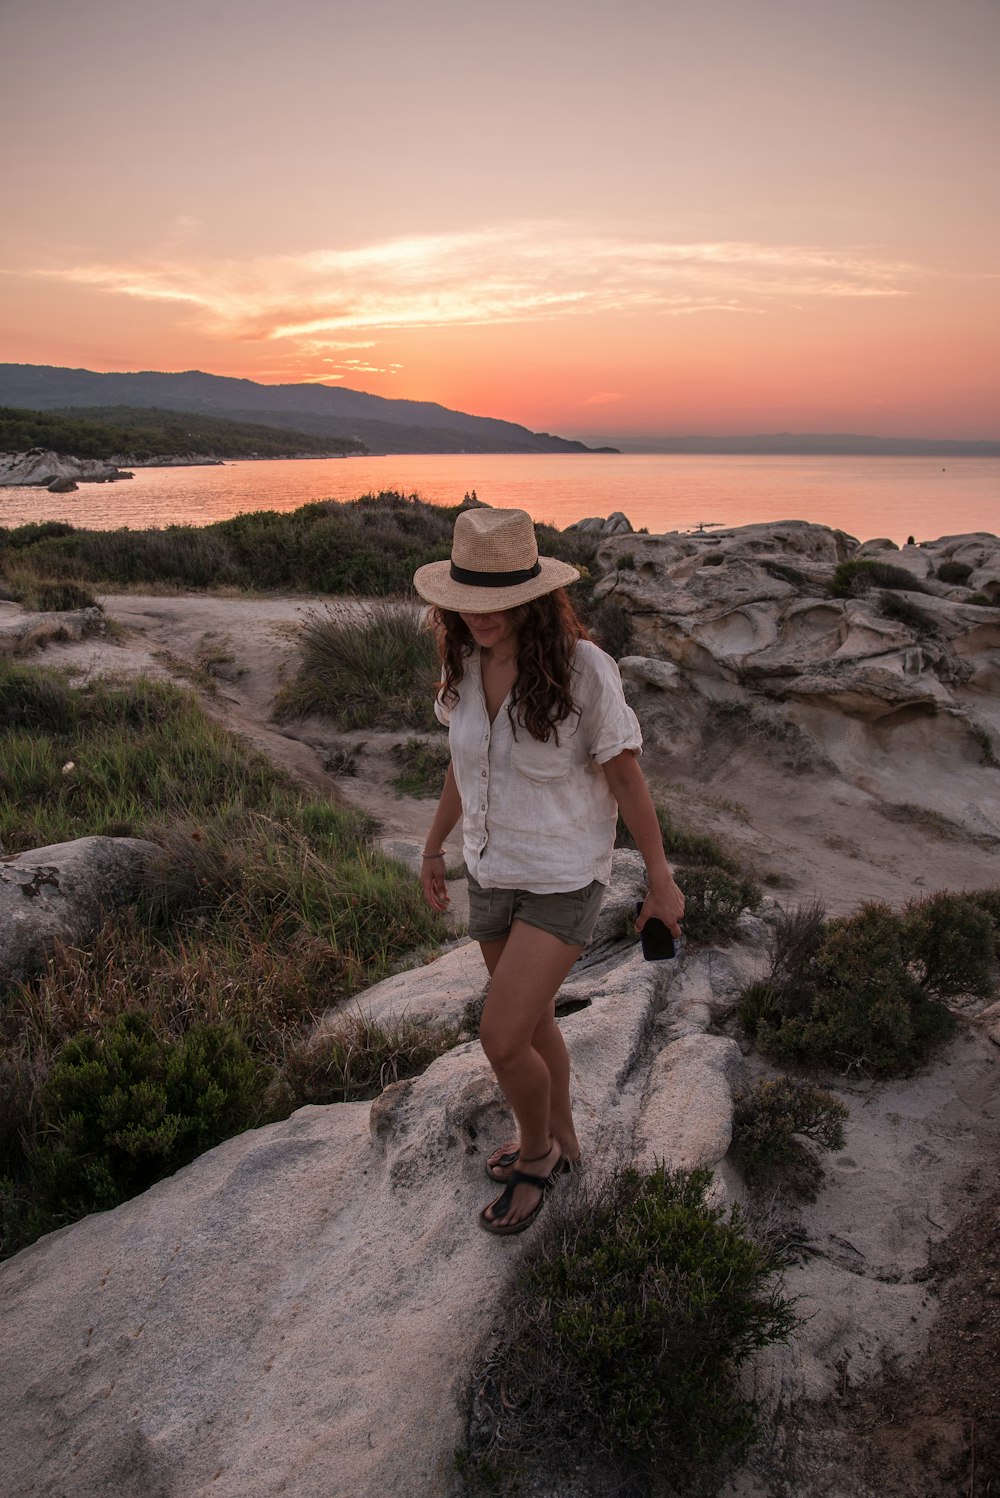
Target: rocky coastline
(308, 1294)
(60, 473)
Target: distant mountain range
(402, 426)
(816, 444)
(384, 426)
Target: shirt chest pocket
(543, 763)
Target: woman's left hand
(666, 901)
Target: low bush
(856, 578)
(905, 611)
(954, 572)
(850, 995)
(625, 1327)
(611, 627)
(422, 767)
(786, 573)
(988, 900)
(680, 843)
(367, 547)
(713, 901)
(124, 1108)
(760, 1002)
(377, 669)
(770, 1123)
(48, 595)
(952, 939)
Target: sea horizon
(867, 495)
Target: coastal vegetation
(865, 993)
(189, 1016)
(625, 1328)
(366, 547)
(133, 434)
(376, 669)
(775, 1125)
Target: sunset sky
(611, 219)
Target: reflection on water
(868, 497)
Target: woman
(543, 758)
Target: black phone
(657, 940)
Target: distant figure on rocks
(543, 757)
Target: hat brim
(436, 585)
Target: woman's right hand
(432, 882)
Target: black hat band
(494, 579)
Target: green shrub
(786, 573)
(369, 546)
(954, 572)
(905, 611)
(855, 1004)
(769, 1125)
(422, 767)
(376, 670)
(759, 1002)
(37, 530)
(988, 900)
(952, 938)
(611, 627)
(854, 579)
(124, 1108)
(624, 1330)
(34, 699)
(48, 595)
(713, 901)
(680, 843)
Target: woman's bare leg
(547, 1040)
(526, 976)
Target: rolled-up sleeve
(609, 723)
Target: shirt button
(484, 774)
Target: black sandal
(564, 1166)
(505, 1200)
(503, 1162)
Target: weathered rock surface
(61, 894)
(737, 634)
(616, 524)
(751, 606)
(295, 1312)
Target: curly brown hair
(547, 630)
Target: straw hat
(494, 565)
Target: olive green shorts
(570, 915)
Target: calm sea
(865, 496)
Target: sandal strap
(525, 1178)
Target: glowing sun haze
(609, 220)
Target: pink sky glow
(612, 221)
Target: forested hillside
(137, 435)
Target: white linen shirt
(540, 816)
